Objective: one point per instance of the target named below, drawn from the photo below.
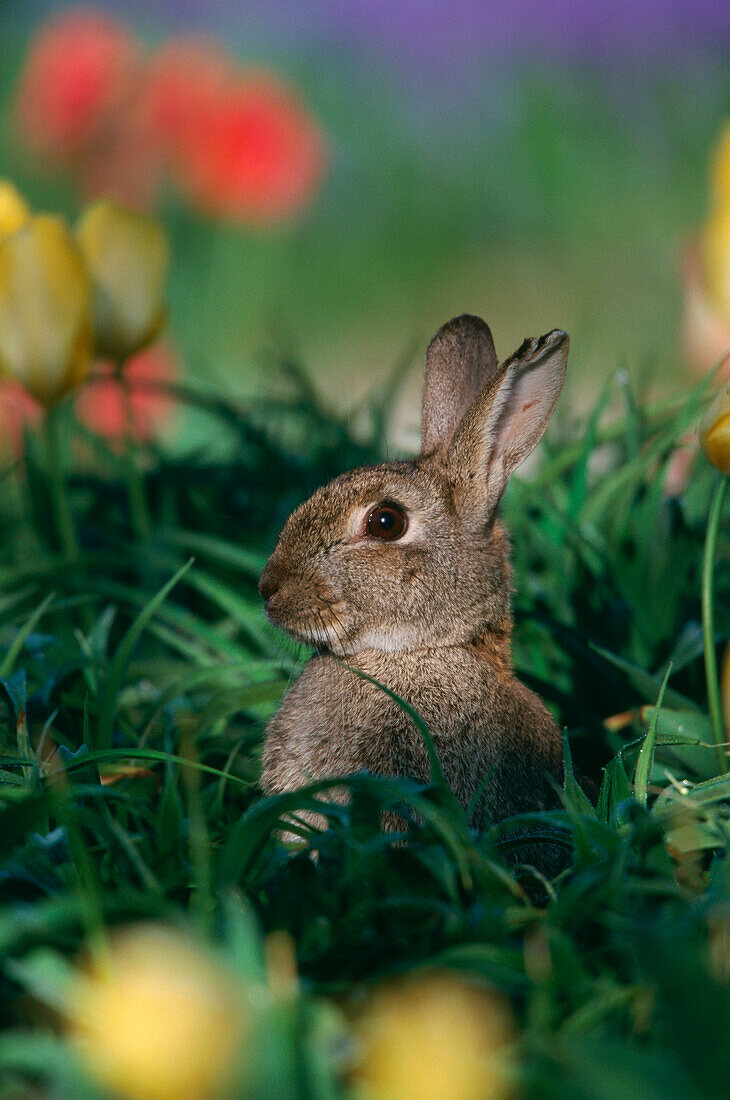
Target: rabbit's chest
(490, 736)
(338, 717)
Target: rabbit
(402, 571)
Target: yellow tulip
(715, 432)
(45, 309)
(160, 1020)
(128, 257)
(13, 211)
(434, 1038)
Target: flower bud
(127, 255)
(45, 310)
(81, 69)
(433, 1038)
(715, 432)
(13, 211)
(160, 1020)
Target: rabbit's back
(491, 733)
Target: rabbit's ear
(459, 362)
(506, 422)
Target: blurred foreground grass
(136, 679)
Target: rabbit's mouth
(320, 623)
(322, 636)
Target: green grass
(129, 655)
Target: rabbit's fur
(427, 614)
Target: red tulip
(101, 403)
(181, 81)
(127, 167)
(254, 154)
(80, 70)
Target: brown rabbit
(402, 571)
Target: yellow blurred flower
(433, 1038)
(160, 1021)
(706, 274)
(45, 309)
(13, 211)
(715, 432)
(128, 258)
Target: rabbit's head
(410, 555)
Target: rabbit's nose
(269, 584)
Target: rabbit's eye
(387, 521)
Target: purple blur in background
(442, 28)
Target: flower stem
(139, 510)
(61, 505)
(708, 625)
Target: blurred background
(338, 178)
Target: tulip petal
(715, 432)
(45, 310)
(127, 254)
(13, 211)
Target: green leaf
(41, 1054)
(687, 736)
(22, 636)
(217, 549)
(645, 683)
(646, 756)
(23, 811)
(575, 799)
(47, 976)
(122, 657)
(615, 789)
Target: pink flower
(680, 465)
(181, 82)
(101, 403)
(127, 167)
(705, 332)
(80, 70)
(241, 147)
(175, 88)
(253, 153)
(17, 409)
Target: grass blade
(123, 656)
(22, 636)
(646, 757)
